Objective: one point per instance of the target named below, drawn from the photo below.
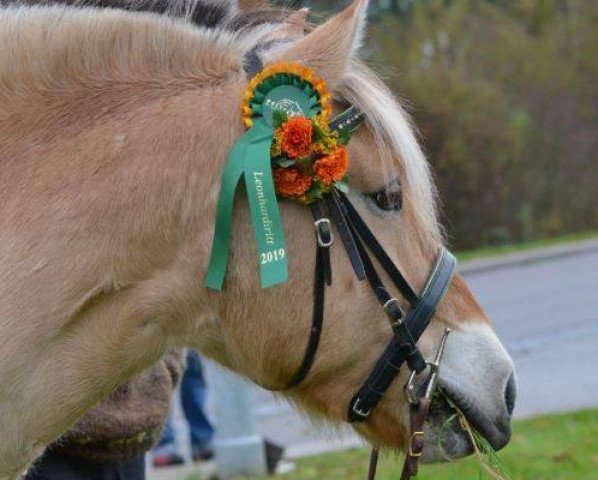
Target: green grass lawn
(519, 247)
(551, 447)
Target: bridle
(359, 242)
(407, 328)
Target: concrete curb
(471, 267)
(195, 471)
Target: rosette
(292, 90)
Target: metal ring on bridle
(319, 234)
(362, 413)
(393, 321)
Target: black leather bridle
(359, 242)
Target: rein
(359, 242)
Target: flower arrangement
(307, 158)
(285, 108)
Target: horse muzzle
(477, 378)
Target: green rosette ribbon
(250, 158)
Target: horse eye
(388, 199)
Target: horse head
(391, 188)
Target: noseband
(360, 243)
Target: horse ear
(296, 22)
(329, 47)
(293, 26)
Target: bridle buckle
(394, 312)
(359, 412)
(320, 224)
(414, 435)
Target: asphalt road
(547, 316)
(546, 313)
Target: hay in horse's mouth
(446, 439)
(448, 413)
(456, 422)
(497, 435)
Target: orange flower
(291, 182)
(333, 167)
(296, 137)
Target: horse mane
(183, 44)
(60, 46)
(396, 139)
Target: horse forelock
(396, 141)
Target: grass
(523, 246)
(551, 447)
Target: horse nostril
(510, 394)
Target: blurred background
(505, 95)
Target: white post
(238, 445)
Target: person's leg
(193, 395)
(165, 453)
(168, 434)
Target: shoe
(274, 454)
(168, 459)
(202, 454)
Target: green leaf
(286, 162)
(306, 161)
(318, 133)
(317, 189)
(279, 117)
(342, 186)
(344, 135)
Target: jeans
(57, 466)
(193, 395)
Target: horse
(115, 127)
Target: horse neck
(105, 221)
